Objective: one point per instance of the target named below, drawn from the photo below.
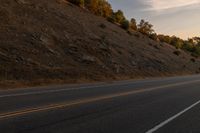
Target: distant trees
(104, 9)
(191, 45)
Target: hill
(53, 41)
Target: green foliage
(133, 24)
(81, 3)
(99, 7)
(111, 19)
(119, 16)
(125, 24)
(188, 46)
(145, 27)
(164, 38)
(153, 36)
(196, 51)
(104, 9)
(196, 40)
(177, 42)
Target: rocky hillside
(45, 41)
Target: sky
(171, 17)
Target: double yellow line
(85, 101)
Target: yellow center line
(84, 101)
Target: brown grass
(60, 43)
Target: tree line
(103, 8)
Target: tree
(145, 27)
(133, 24)
(188, 45)
(177, 42)
(119, 16)
(99, 7)
(106, 9)
(190, 40)
(196, 40)
(153, 36)
(164, 38)
(92, 5)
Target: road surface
(160, 105)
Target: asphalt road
(165, 105)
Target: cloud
(160, 5)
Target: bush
(125, 24)
(119, 17)
(188, 47)
(111, 19)
(133, 24)
(153, 36)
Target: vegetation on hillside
(104, 9)
(53, 41)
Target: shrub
(176, 42)
(125, 24)
(119, 16)
(133, 24)
(153, 36)
(111, 19)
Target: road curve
(140, 106)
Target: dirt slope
(52, 40)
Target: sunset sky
(172, 17)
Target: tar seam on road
(60, 90)
(162, 124)
(82, 101)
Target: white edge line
(172, 118)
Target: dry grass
(61, 43)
